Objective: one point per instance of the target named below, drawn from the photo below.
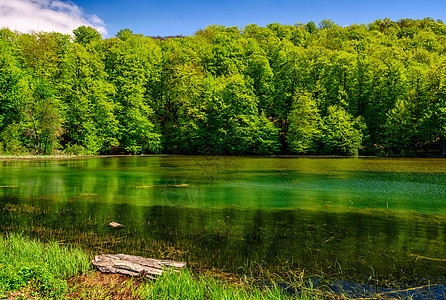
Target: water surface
(360, 219)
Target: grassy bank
(185, 285)
(34, 270)
(38, 269)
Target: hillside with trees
(370, 89)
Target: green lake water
(352, 218)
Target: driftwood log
(134, 265)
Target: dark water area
(369, 291)
(366, 220)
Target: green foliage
(256, 135)
(89, 113)
(131, 69)
(42, 119)
(227, 90)
(326, 24)
(41, 53)
(342, 134)
(85, 35)
(311, 27)
(400, 127)
(75, 149)
(304, 131)
(124, 34)
(11, 140)
(232, 125)
(13, 85)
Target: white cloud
(46, 15)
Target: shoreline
(62, 157)
(285, 156)
(66, 272)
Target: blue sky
(170, 17)
(175, 17)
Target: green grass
(32, 269)
(183, 285)
(26, 263)
(186, 286)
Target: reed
(188, 286)
(33, 269)
(183, 285)
(26, 263)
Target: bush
(75, 149)
(11, 141)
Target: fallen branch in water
(428, 258)
(379, 295)
(162, 185)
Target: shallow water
(362, 219)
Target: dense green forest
(373, 89)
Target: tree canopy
(373, 89)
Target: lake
(360, 219)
